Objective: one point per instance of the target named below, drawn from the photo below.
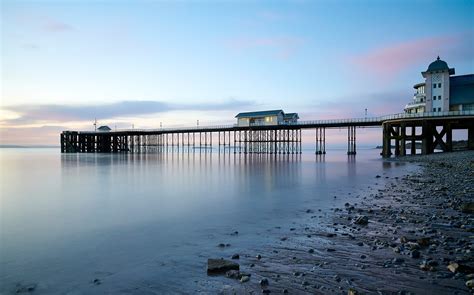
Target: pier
(431, 130)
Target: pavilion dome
(438, 65)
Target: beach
(413, 236)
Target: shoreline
(415, 229)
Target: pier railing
(379, 119)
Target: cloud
(395, 58)
(31, 113)
(54, 26)
(282, 47)
(377, 104)
(31, 136)
(30, 46)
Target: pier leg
(397, 141)
(386, 149)
(470, 137)
(427, 141)
(403, 140)
(449, 138)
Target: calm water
(146, 223)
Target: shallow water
(146, 223)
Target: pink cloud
(282, 47)
(393, 59)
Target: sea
(146, 223)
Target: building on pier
(266, 118)
(442, 92)
(104, 129)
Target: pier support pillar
(413, 140)
(427, 141)
(403, 135)
(470, 137)
(386, 148)
(351, 140)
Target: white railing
(380, 120)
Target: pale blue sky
(318, 58)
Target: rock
(378, 176)
(423, 242)
(470, 284)
(233, 274)
(264, 282)
(97, 282)
(330, 249)
(467, 207)
(221, 265)
(361, 220)
(415, 254)
(244, 279)
(455, 267)
(311, 251)
(426, 267)
(26, 288)
(235, 256)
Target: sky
(142, 63)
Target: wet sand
(416, 228)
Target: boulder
(220, 266)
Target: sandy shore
(396, 240)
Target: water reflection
(112, 210)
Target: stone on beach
(467, 207)
(264, 282)
(455, 267)
(470, 284)
(26, 288)
(244, 279)
(362, 220)
(233, 274)
(221, 265)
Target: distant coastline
(16, 146)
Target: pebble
(264, 282)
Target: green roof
(259, 114)
(291, 115)
(438, 66)
(104, 128)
